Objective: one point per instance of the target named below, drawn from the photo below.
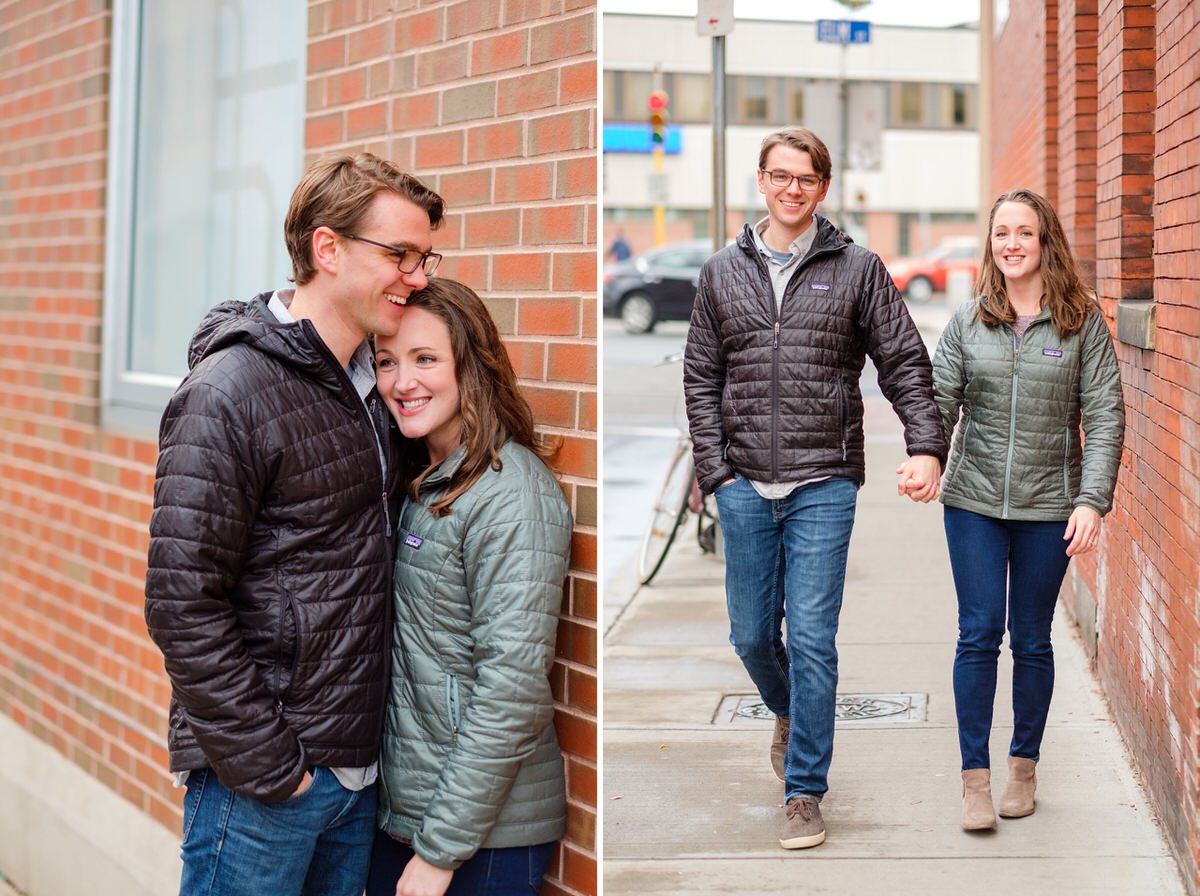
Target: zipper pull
(776, 342)
(843, 449)
(387, 517)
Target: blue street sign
(843, 31)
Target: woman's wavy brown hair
(490, 401)
(1068, 299)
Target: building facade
(1096, 104)
(147, 154)
(909, 169)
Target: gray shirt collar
(360, 370)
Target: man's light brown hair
(804, 140)
(336, 193)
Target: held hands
(1083, 530)
(920, 478)
(422, 879)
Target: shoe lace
(802, 807)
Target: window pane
(637, 89)
(958, 115)
(912, 104)
(612, 96)
(691, 99)
(754, 98)
(220, 103)
(795, 101)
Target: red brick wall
(1075, 157)
(1021, 113)
(494, 104)
(1127, 88)
(76, 667)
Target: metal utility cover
(852, 709)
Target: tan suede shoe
(978, 814)
(1017, 800)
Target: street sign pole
(718, 105)
(715, 18)
(844, 32)
(844, 150)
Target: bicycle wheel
(669, 510)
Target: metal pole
(718, 136)
(844, 149)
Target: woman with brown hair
(1019, 371)
(471, 777)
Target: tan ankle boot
(977, 811)
(1017, 800)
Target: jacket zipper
(841, 399)
(452, 708)
(777, 317)
(1012, 415)
(1012, 424)
(287, 602)
(387, 518)
(1067, 464)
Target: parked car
(920, 276)
(659, 284)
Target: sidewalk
(690, 804)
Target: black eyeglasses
(779, 178)
(407, 260)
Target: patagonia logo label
(413, 541)
(1052, 352)
(820, 286)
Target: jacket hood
(255, 325)
(828, 236)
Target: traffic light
(658, 116)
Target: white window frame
(130, 399)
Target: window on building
(207, 139)
(691, 99)
(948, 106)
(954, 106)
(910, 104)
(753, 103)
(795, 100)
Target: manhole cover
(747, 709)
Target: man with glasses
(783, 321)
(271, 545)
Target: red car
(920, 276)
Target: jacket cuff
(939, 453)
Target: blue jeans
(1004, 570)
(511, 871)
(316, 843)
(785, 559)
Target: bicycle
(679, 495)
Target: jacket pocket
(1066, 468)
(288, 647)
(843, 414)
(452, 707)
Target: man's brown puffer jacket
(269, 581)
(775, 396)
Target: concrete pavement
(690, 805)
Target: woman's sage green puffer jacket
(1018, 452)
(470, 758)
